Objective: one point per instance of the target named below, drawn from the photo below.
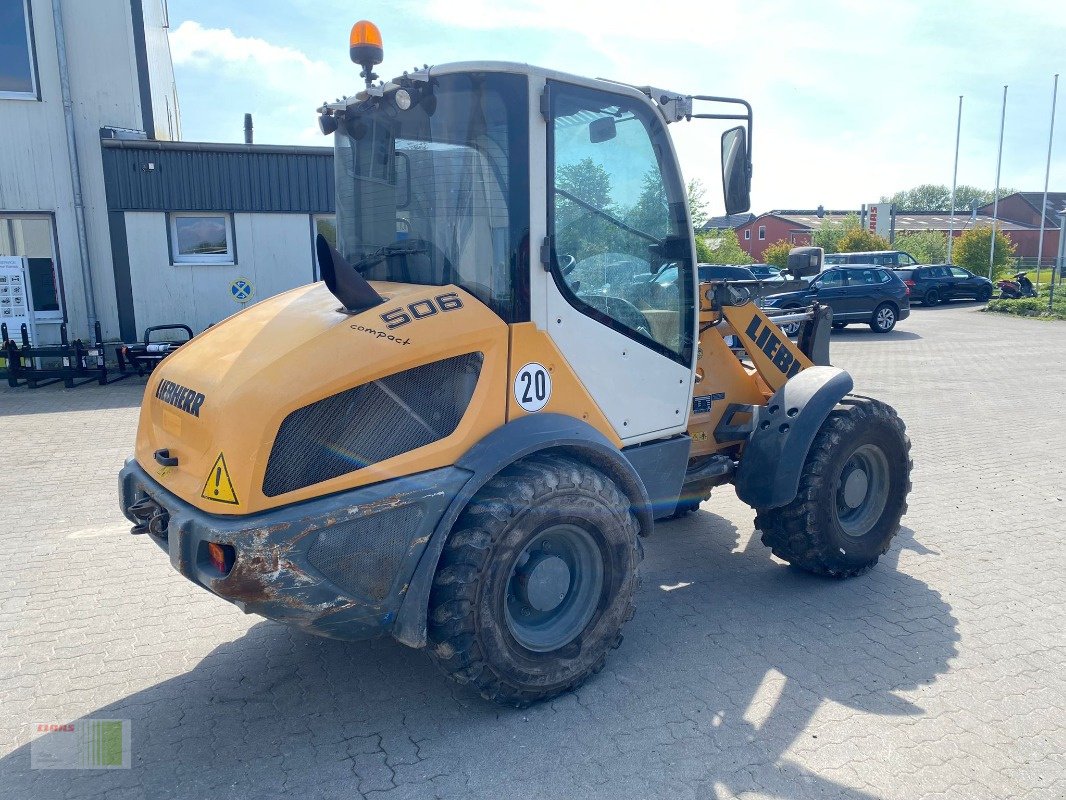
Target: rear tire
(535, 581)
(884, 318)
(932, 298)
(841, 521)
(839, 326)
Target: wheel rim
(931, 298)
(862, 490)
(554, 588)
(885, 318)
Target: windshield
(438, 193)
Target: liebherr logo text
(181, 397)
(381, 334)
(767, 340)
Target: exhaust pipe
(343, 281)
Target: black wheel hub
(554, 587)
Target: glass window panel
(16, 59)
(201, 238)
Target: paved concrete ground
(939, 674)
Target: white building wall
(273, 251)
(35, 171)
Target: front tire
(535, 581)
(985, 294)
(852, 493)
(884, 318)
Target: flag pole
(995, 204)
(1047, 175)
(954, 180)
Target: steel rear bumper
(337, 566)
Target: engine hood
(216, 403)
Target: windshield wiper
(403, 248)
(608, 217)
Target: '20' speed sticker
(532, 387)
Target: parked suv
(939, 283)
(883, 258)
(869, 294)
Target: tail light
(909, 285)
(221, 557)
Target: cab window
(617, 218)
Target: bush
(830, 232)
(1032, 306)
(720, 247)
(929, 247)
(857, 240)
(776, 255)
(971, 251)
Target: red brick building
(1024, 208)
(1019, 220)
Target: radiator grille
(370, 423)
(362, 556)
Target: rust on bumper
(272, 572)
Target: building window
(202, 238)
(18, 66)
(747, 234)
(762, 232)
(32, 236)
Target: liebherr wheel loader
(508, 374)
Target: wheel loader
(507, 376)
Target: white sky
(852, 99)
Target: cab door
(620, 302)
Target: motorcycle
(1017, 288)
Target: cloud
(282, 85)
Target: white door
(620, 301)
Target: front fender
(782, 432)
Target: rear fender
(782, 432)
(527, 435)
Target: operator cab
(553, 199)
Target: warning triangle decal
(219, 487)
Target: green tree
(929, 247)
(937, 197)
(704, 253)
(776, 255)
(697, 203)
(971, 250)
(579, 232)
(651, 213)
(859, 241)
(830, 232)
(721, 247)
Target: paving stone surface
(940, 674)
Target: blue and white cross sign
(242, 290)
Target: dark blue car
(862, 293)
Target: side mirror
(736, 171)
(804, 261)
(602, 130)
